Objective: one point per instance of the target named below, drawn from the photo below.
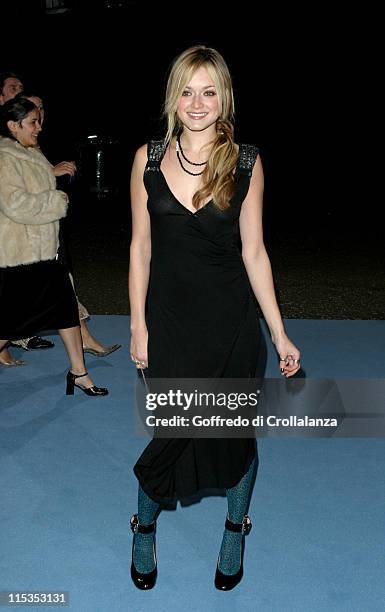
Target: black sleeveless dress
(202, 323)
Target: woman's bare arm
(140, 258)
(258, 268)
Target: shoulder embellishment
(247, 156)
(155, 150)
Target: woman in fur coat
(30, 209)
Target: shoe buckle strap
(134, 523)
(243, 527)
(80, 375)
(137, 528)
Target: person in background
(30, 210)
(90, 343)
(11, 85)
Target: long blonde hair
(218, 175)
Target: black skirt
(34, 298)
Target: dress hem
(195, 496)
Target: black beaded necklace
(178, 147)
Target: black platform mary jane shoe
(225, 582)
(143, 581)
(92, 391)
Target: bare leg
(6, 357)
(91, 345)
(72, 341)
(89, 341)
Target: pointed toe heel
(13, 363)
(107, 351)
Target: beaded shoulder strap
(155, 152)
(246, 158)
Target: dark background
(305, 82)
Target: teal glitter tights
(238, 500)
(143, 549)
(230, 553)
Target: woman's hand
(289, 356)
(138, 348)
(65, 167)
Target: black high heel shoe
(92, 391)
(143, 581)
(225, 582)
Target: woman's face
(28, 130)
(198, 107)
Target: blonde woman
(193, 195)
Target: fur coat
(30, 205)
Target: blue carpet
(67, 492)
